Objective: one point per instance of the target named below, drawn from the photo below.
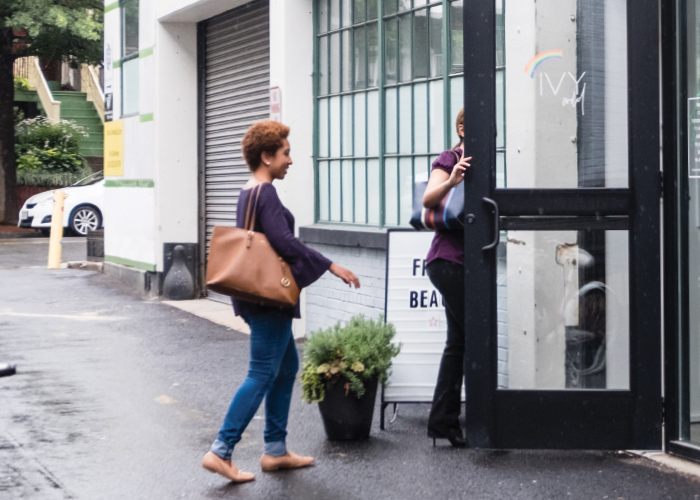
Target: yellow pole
(55, 240)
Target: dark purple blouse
(447, 245)
(277, 223)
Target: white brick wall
(329, 300)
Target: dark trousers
(448, 278)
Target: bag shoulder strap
(456, 156)
(250, 223)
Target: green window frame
(388, 77)
(130, 57)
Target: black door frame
(574, 419)
(676, 196)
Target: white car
(82, 210)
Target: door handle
(496, 230)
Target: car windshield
(90, 179)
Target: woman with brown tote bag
(273, 356)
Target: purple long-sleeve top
(277, 223)
(448, 245)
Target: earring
(267, 163)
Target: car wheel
(85, 218)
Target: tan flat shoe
(214, 463)
(290, 460)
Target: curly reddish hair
(263, 137)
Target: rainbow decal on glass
(533, 63)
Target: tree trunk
(8, 171)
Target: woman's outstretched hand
(344, 274)
(458, 171)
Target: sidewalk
(119, 397)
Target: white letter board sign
(415, 308)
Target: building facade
(371, 90)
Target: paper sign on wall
(114, 149)
(276, 104)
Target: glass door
(562, 271)
(682, 218)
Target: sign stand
(415, 308)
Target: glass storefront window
(399, 81)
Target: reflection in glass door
(690, 266)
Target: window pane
(347, 12)
(456, 37)
(391, 192)
(405, 48)
(130, 11)
(360, 54)
(335, 126)
(405, 120)
(372, 9)
(372, 55)
(335, 63)
(323, 128)
(419, 3)
(420, 118)
(348, 191)
(420, 44)
(500, 35)
(336, 193)
(436, 41)
(373, 192)
(500, 98)
(323, 191)
(359, 125)
(389, 6)
(373, 123)
(456, 103)
(390, 122)
(390, 46)
(335, 14)
(500, 170)
(360, 192)
(406, 185)
(359, 11)
(347, 61)
(437, 133)
(404, 5)
(347, 125)
(322, 16)
(130, 87)
(323, 65)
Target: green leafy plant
(352, 355)
(43, 134)
(21, 83)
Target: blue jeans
(271, 373)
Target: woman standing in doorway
(445, 268)
(273, 355)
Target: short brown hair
(263, 137)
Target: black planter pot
(347, 417)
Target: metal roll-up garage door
(236, 92)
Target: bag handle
(250, 224)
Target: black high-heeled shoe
(457, 441)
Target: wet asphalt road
(117, 397)
(34, 252)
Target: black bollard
(178, 283)
(7, 370)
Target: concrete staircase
(75, 107)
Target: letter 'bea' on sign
(114, 148)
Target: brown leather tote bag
(243, 264)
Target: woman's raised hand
(346, 275)
(457, 174)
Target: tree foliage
(56, 30)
